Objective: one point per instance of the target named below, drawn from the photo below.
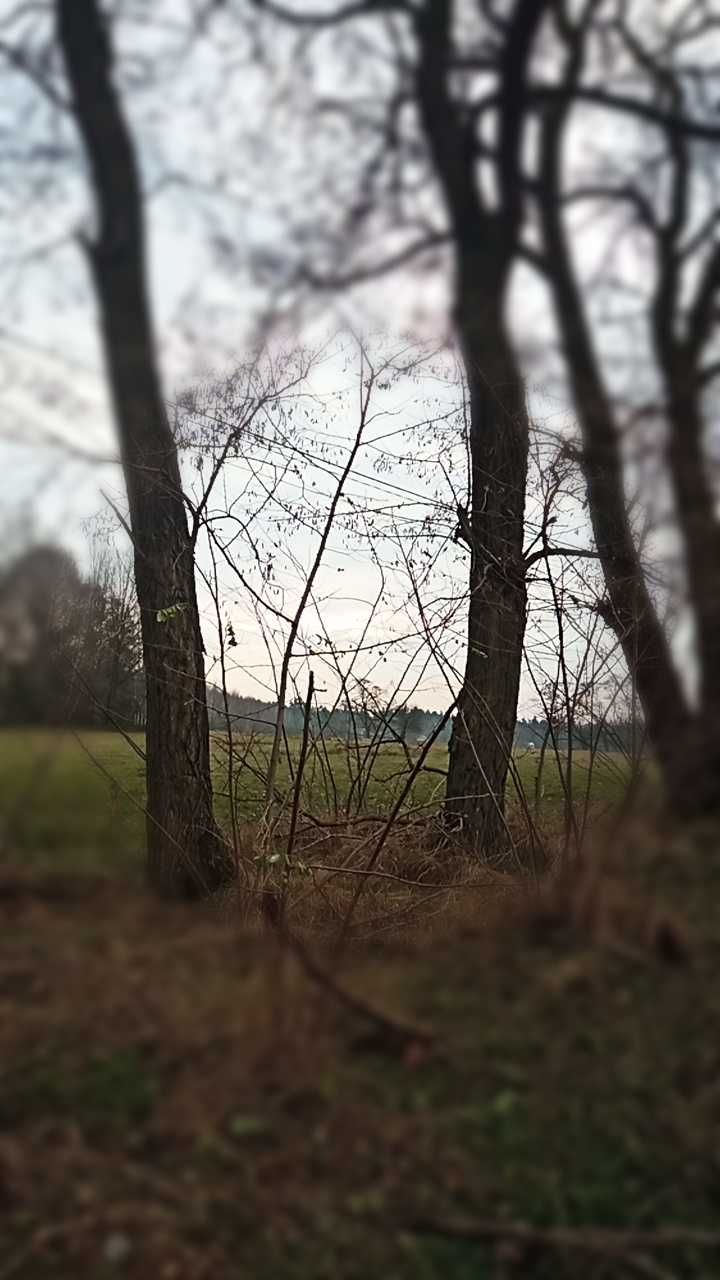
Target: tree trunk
(186, 854)
(686, 745)
(484, 728)
(486, 244)
(695, 506)
(696, 771)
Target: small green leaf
(170, 612)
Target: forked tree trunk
(186, 855)
(485, 240)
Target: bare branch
(358, 275)
(319, 20)
(583, 553)
(20, 61)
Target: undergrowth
(180, 1100)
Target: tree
(665, 185)
(485, 249)
(186, 853)
(70, 646)
(43, 603)
(110, 667)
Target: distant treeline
(412, 725)
(71, 654)
(608, 735)
(408, 724)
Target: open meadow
(73, 800)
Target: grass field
(77, 799)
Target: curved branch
(344, 279)
(582, 552)
(346, 12)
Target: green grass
(76, 800)
(107, 1091)
(71, 802)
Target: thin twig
(599, 1241)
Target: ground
(178, 1099)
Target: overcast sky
(206, 235)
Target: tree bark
(678, 359)
(186, 854)
(484, 727)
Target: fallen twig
(629, 1247)
(396, 1032)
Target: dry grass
(171, 1080)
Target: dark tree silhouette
(186, 854)
(673, 217)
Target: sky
(225, 174)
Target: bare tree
(485, 245)
(667, 197)
(186, 853)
